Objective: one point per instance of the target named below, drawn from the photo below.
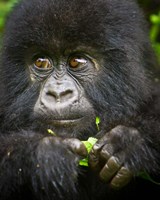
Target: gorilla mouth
(69, 122)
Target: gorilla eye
(76, 62)
(43, 63)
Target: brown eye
(76, 62)
(43, 63)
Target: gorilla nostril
(66, 95)
(53, 94)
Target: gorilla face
(62, 102)
(70, 65)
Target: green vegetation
(155, 33)
(88, 144)
(5, 7)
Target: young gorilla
(64, 63)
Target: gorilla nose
(61, 92)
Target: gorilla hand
(114, 154)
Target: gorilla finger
(106, 152)
(95, 153)
(76, 146)
(96, 156)
(100, 143)
(122, 178)
(94, 159)
(110, 169)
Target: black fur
(121, 93)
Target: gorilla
(65, 64)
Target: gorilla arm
(33, 158)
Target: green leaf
(146, 176)
(88, 144)
(98, 121)
(51, 132)
(84, 162)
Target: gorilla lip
(65, 121)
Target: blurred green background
(151, 9)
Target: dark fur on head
(56, 27)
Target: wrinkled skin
(63, 64)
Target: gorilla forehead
(81, 21)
